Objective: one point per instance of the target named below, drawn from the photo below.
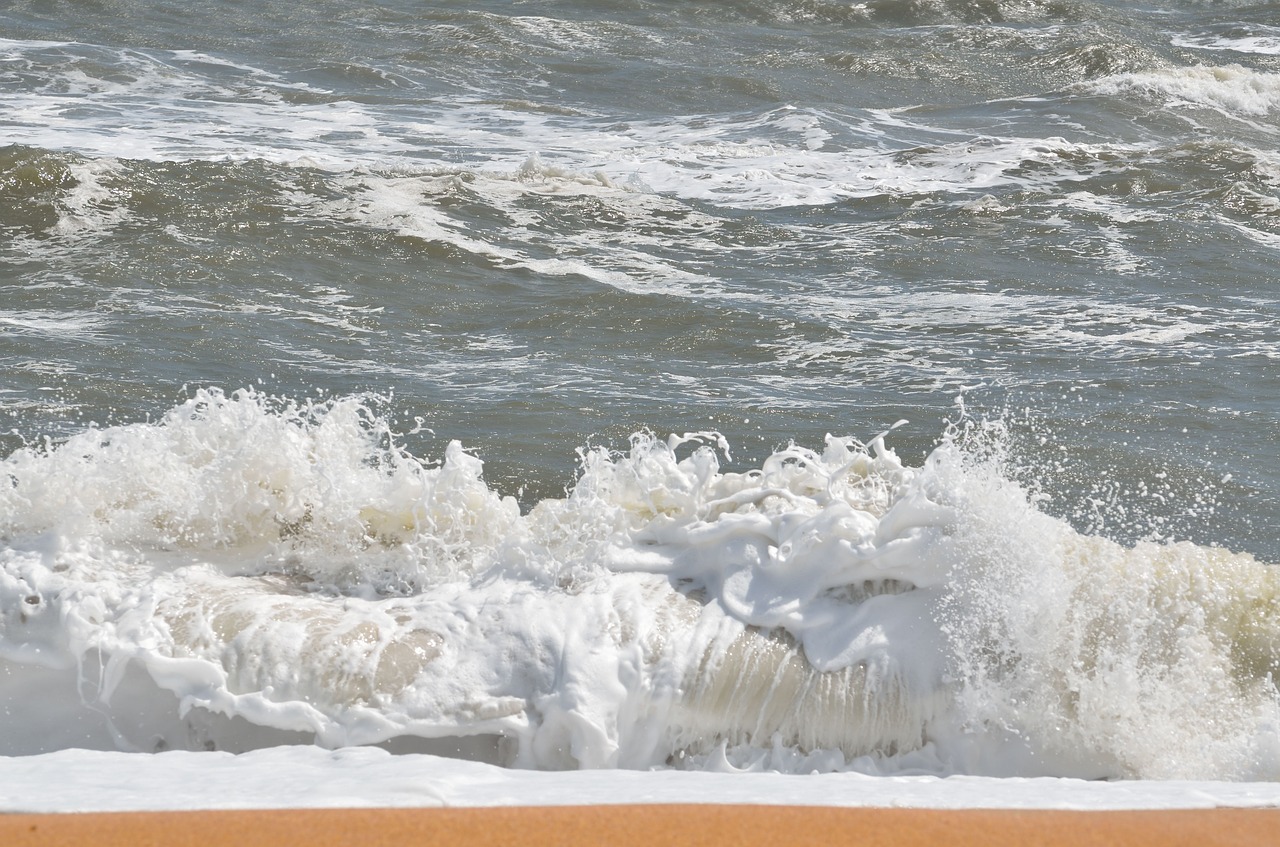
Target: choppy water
(536, 229)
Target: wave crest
(288, 567)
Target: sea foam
(246, 572)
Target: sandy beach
(640, 826)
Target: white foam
(307, 777)
(83, 326)
(247, 572)
(406, 203)
(1268, 240)
(89, 205)
(778, 157)
(1266, 42)
(1230, 89)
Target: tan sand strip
(647, 826)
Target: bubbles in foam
(1088, 657)
(289, 567)
(253, 477)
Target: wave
(249, 571)
(1237, 38)
(1232, 90)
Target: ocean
(883, 388)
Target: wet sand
(647, 826)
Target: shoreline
(645, 826)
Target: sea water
(885, 388)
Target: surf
(248, 571)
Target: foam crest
(250, 476)
(1229, 89)
(90, 205)
(1262, 40)
(249, 570)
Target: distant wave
(1231, 89)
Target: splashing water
(247, 572)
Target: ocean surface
(889, 387)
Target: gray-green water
(534, 226)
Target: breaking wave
(249, 571)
